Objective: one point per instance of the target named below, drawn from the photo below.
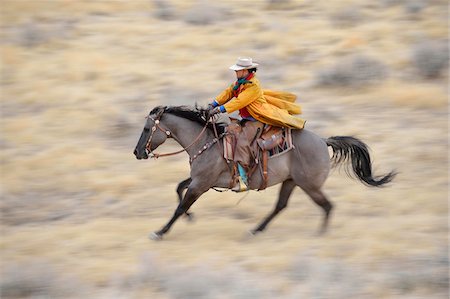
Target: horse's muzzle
(139, 155)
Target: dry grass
(421, 95)
(77, 79)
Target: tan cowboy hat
(243, 63)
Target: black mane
(195, 114)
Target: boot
(241, 184)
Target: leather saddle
(261, 143)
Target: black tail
(346, 148)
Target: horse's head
(153, 134)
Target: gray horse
(306, 166)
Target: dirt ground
(77, 79)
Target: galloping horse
(306, 166)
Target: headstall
(156, 126)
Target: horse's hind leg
(180, 189)
(285, 192)
(320, 199)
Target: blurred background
(79, 76)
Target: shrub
(322, 278)
(282, 5)
(421, 272)
(274, 2)
(415, 7)
(389, 3)
(347, 17)
(36, 279)
(196, 282)
(163, 10)
(150, 272)
(318, 277)
(31, 34)
(430, 58)
(353, 71)
(34, 33)
(204, 13)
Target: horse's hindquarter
(310, 159)
(308, 163)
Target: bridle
(156, 126)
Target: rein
(156, 126)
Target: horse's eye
(146, 129)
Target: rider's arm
(247, 96)
(224, 97)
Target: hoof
(250, 235)
(155, 236)
(189, 217)
(321, 233)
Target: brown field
(78, 78)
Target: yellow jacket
(267, 106)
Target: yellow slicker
(267, 106)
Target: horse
(307, 165)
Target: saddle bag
(271, 142)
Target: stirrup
(240, 186)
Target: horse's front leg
(192, 194)
(180, 189)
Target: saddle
(252, 144)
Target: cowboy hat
(243, 63)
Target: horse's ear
(159, 110)
(155, 110)
(196, 106)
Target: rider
(255, 104)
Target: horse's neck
(185, 132)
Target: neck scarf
(237, 85)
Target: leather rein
(156, 126)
